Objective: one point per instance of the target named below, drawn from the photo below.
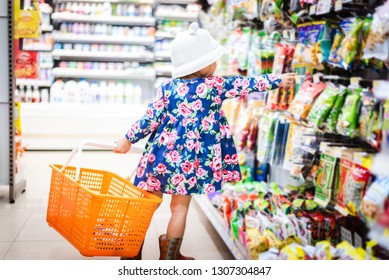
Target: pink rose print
(234, 159)
(159, 92)
(244, 92)
(237, 83)
(190, 144)
(222, 114)
(205, 124)
(209, 188)
(198, 146)
(183, 89)
(161, 168)
(153, 125)
(219, 81)
(149, 113)
(169, 191)
(196, 163)
(191, 135)
(197, 105)
(158, 105)
(217, 99)
(170, 146)
(227, 159)
(151, 158)
(217, 149)
(173, 156)
(153, 183)
(216, 164)
(140, 172)
(184, 110)
(225, 131)
(201, 90)
(245, 83)
(236, 176)
(181, 190)
(187, 167)
(262, 84)
(192, 181)
(231, 93)
(130, 134)
(217, 175)
(226, 175)
(164, 138)
(173, 120)
(178, 179)
(143, 160)
(136, 126)
(142, 185)
(197, 135)
(209, 82)
(272, 77)
(201, 172)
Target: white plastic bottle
(56, 91)
(71, 92)
(128, 93)
(28, 94)
(44, 95)
(84, 91)
(103, 92)
(119, 92)
(107, 9)
(22, 94)
(137, 94)
(35, 95)
(111, 92)
(94, 92)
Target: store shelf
(216, 220)
(38, 48)
(176, 16)
(81, 38)
(122, 20)
(163, 35)
(163, 71)
(47, 28)
(136, 74)
(110, 1)
(46, 65)
(33, 82)
(162, 55)
(381, 89)
(182, 2)
(103, 55)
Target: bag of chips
(325, 178)
(298, 58)
(377, 43)
(347, 124)
(333, 58)
(332, 118)
(302, 103)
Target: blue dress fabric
(191, 149)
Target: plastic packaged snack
(347, 124)
(309, 53)
(323, 105)
(298, 59)
(324, 180)
(377, 43)
(351, 43)
(302, 103)
(373, 202)
(333, 58)
(344, 171)
(256, 243)
(332, 118)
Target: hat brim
(198, 64)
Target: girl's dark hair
(204, 5)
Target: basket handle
(92, 143)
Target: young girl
(190, 150)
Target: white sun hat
(192, 50)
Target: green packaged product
(332, 118)
(323, 105)
(324, 179)
(347, 124)
(333, 58)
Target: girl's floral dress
(191, 149)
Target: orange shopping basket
(98, 212)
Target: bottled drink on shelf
(35, 95)
(57, 91)
(28, 97)
(44, 95)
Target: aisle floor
(25, 235)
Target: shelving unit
(106, 39)
(9, 177)
(236, 248)
(33, 82)
(111, 1)
(47, 28)
(102, 55)
(119, 20)
(139, 74)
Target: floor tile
(12, 221)
(4, 247)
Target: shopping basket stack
(98, 212)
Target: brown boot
(137, 257)
(169, 249)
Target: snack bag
(333, 58)
(345, 170)
(27, 22)
(347, 124)
(302, 103)
(377, 43)
(298, 59)
(351, 43)
(366, 116)
(332, 118)
(323, 105)
(373, 201)
(309, 53)
(324, 180)
(256, 243)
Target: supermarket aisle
(25, 234)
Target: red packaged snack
(302, 103)
(26, 65)
(345, 169)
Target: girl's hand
(288, 79)
(123, 146)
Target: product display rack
(8, 176)
(214, 217)
(72, 38)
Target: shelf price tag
(338, 5)
(381, 89)
(354, 81)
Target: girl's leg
(179, 207)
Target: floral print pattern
(191, 149)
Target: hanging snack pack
(298, 58)
(324, 179)
(333, 58)
(265, 137)
(347, 124)
(323, 105)
(351, 42)
(332, 118)
(302, 103)
(373, 201)
(345, 169)
(377, 43)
